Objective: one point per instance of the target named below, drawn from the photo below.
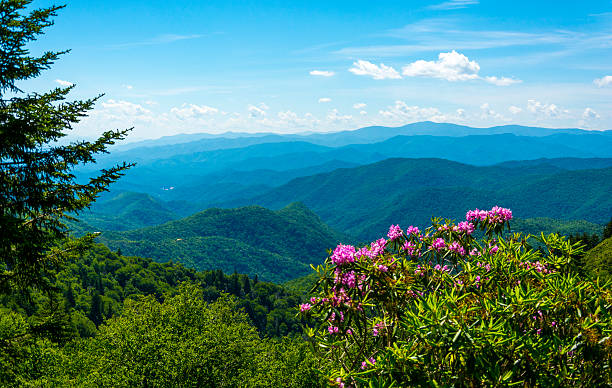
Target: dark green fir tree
(37, 185)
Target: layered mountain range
(358, 182)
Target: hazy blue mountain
(202, 169)
(363, 201)
(561, 163)
(276, 245)
(170, 146)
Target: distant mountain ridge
(361, 135)
(270, 163)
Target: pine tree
(96, 312)
(37, 187)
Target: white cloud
(151, 102)
(322, 73)
(487, 113)
(363, 112)
(603, 81)
(381, 71)
(359, 105)
(125, 107)
(257, 111)
(451, 66)
(550, 110)
(129, 87)
(400, 113)
(453, 4)
(188, 111)
(324, 99)
(335, 117)
(290, 119)
(64, 83)
(502, 81)
(590, 114)
(460, 113)
(514, 109)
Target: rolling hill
(275, 245)
(127, 210)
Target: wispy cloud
(324, 99)
(603, 81)
(160, 39)
(445, 33)
(322, 73)
(63, 83)
(453, 4)
(188, 111)
(381, 71)
(502, 81)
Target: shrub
(441, 308)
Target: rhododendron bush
(440, 307)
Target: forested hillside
(365, 199)
(275, 245)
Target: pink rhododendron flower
(456, 247)
(465, 227)
(305, 307)
(438, 244)
(412, 230)
(343, 254)
(395, 232)
(377, 247)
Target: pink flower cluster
(395, 232)
(343, 254)
(438, 244)
(539, 267)
(486, 266)
(412, 230)
(376, 248)
(457, 248)
(410, 248)
(377, 328)
(349, 279)
(364, 364)
(465, 227)
(305, 307)
(497, 215)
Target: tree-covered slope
(599, 259)
(276, 245)
(365, 200)
(127, 211)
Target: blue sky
(287, 66)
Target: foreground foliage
(184, 341)
(439, 308)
